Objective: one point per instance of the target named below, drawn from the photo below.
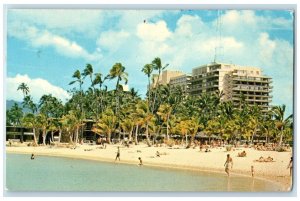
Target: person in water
(227, 162)
(252, 170)
(141, 162)
(32, 156)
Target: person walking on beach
(227, 162)
(118, 154)
(290, 166)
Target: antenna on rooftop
(219, 45)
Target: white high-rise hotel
(233, 80)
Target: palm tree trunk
(52, 139)
(71, 139)
(186, 139)
(59, 135)
(34, 137)
(136, 133)
(168, 127)
(44, 136)
(76, 134)
(281, 135)
(254, 133)
(147, 135)
(108, 138)
(130, 135)
(155, 91)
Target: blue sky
(45, 47)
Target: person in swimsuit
(252, 170)
(118, 154)
(227, 162)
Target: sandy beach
(178, 157)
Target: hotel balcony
(253, 79)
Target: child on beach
(32, 156)
(228, 160)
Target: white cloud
(113, 40)
(188, 25)
(37, 88)
(266, 48)
(39, 38)
(64, 21)
(153, 31)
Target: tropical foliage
(165, 112)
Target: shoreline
(283, 182)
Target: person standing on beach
(32, 156)
(118, 154)
(227, 162)
(252, 170)
(290, 166)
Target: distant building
(183, 81)
(234, 81)
(165, 77)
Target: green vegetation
(165, 111)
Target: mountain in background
(10, 103)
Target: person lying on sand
(242, 154)
(262, 159)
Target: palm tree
(183, 127)
(72, 123)
(78, 78)
(118, 71)
(194, 126)
(24, 88)
(30, 121)
(148, 69)
(268, 127)
(106, 124)
(28, 103)
(14, 115)
(43, 123)
(88, 71)
(100, 95)
(157, 65)
(127, 126)
(164, 112)
(281, 122)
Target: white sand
(179, 158)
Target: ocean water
(46, 173)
